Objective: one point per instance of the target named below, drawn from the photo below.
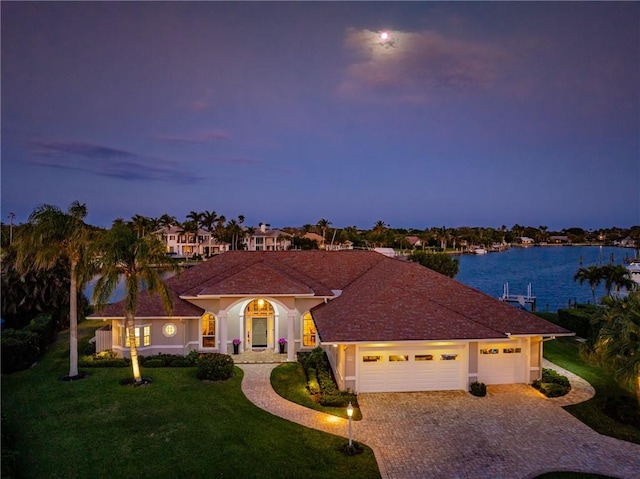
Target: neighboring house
(525, 240)
(559, 239)
(315, 237)
(414, 241)
(185, 245)
(266, 239)
(385, 324)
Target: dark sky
(478, 114)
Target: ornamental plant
(282, 341)
(236, 341)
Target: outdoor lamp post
(350, 414)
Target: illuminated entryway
(259, 324)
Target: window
(424, 357)
(371, 359)
(169, 330)
(308, 330)
(146, 336)
(448, 357)
(398, 357)
(208, 331)
(511, 350)
(490, 351)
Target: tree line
(381, 234)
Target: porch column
(222, 318)
(291, 340)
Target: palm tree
(167, 220)
(52, 235)
(617, 276)
(141, 262)
(590, 274)
(323, 224)
(617, 347)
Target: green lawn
(288, 381)
(564, 352)
(176, 427)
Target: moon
(384, 36)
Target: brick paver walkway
(514, 432)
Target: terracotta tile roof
(382, 299)
(401, 301)
(150, 306)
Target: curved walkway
(514, 432)
(581, 390)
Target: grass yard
(176, 427)
(288, 381)
(564, 352)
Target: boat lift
(521, 299)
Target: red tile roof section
(400, 301)
(382, 299)
(150, 306)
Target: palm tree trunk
(73, 321)
(131, 329)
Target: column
(291, 340)
(222, 330)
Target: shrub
(89, 349)
(44, 327)
(193, 357)
(338, 399)
(215, 367)
(552, 384)
(20, 349)
(154, 363)
(577, 320)
(104, 359)
(312, 384)
(180, 363)
(478, 389)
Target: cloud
(104, 161)
(199, 137)
(413, 67)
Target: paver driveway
(514, 432)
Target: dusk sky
(466, 114)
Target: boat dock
(521, 299)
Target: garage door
(501, 363)
(410, 369)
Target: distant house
(386, 325)
(315, 237)
(414, 241)
(525, 240)
(184, 244)
(559, 239)
(267, 239)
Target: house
(526, 241)
(315, 237)
(267, 239)
(559, 239)
(414, 241)
(385, 324)
(185, 244)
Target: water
(550, 270)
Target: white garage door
(396, 369)
(501, 363)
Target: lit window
(490, 351)
(511, 350)
(448, 357)
(371, 359)
(146, 337)
(169, 330)
(424, 357)
(308, 330)
(208, 331)
(398, 357)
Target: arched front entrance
(259, 324)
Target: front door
(259, 332)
